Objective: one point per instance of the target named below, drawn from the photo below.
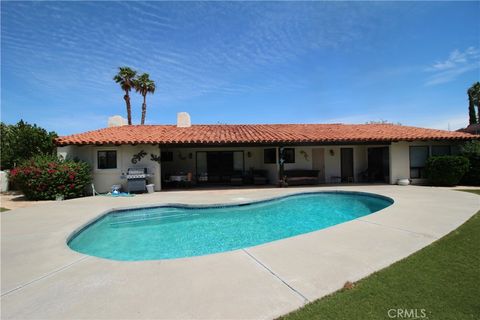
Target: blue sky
(240, 62)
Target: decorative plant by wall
(155, 158)
(138, 157)
(281, 161)
(304, 154)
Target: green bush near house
(46, 177)
(471, 150)
(446, 170)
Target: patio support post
(281, 162)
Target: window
(455, 149)
(441, 151)
(107, 159)
(269, 155)
(166, 156)
(418, 158)
(289, 155)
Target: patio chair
(237, 178)
(260, 177)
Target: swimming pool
(168, 232)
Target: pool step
(149, 217)
(129, 216)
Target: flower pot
(403, 182)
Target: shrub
(46, 177)
(446, 170)
(471, 150)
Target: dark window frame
(273, 154)
(421, 170)
(289, 154)
(108, 164)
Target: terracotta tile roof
(259, 134)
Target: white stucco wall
(301, 162)
(182, 162)
(399, 161)
(400, 158)
(103, 179)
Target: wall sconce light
(332, 153)
(190, 155)
(249, 154)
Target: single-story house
(244, 154)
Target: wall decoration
(155, 158)
(138, 157)
(304, 154)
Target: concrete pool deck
(42, 278)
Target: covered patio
(261, 165)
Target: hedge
(46, 177)
(446, 170)
(471, 150)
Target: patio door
(318, 162)
(378, 164)
(346, 160)
(218, 166)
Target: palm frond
(143, 84)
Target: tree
(22, 141)
(125, 77)
(144, 85)
(473, 100)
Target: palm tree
(125, 77)
(472, 117)
(474, 100)
(144, 85)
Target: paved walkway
(14, 200)
(42, 278)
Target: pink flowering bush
(46, 177)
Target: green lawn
(3, 209)
(443, 279)
(476, 191)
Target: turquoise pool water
(174, 232)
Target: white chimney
(183, 120)
(117, 121)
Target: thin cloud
(457, 64)
(168, 41)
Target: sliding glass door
(218, 166)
